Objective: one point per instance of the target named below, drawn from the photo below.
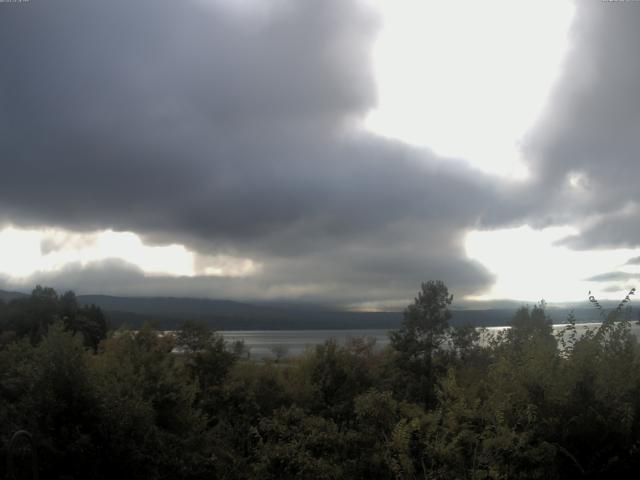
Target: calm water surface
(262, 343)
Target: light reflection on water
(263, 343)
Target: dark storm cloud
(589, 135)
(129, 103)
(230, 131)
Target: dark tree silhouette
(423, 331)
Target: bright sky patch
(467, 78)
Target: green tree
(531, 325)
(91, 322)
(31, 317)
(424, 329)
(194, 337)
(206, 353)
(294, 445)
(337, 374)
(88, 321)
(45, 389)
(150, 426)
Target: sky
(335, 152)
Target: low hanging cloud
(230, 131)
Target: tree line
(437, 403)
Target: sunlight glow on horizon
(467, 79)
(25, 252)
(529, 266)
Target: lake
(261, 343)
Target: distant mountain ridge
(6, 296)
(169, 306)
(169, 312)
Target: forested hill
(169, 312)
(8, 296)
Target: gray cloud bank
(232, 131)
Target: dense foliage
(439, 403)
